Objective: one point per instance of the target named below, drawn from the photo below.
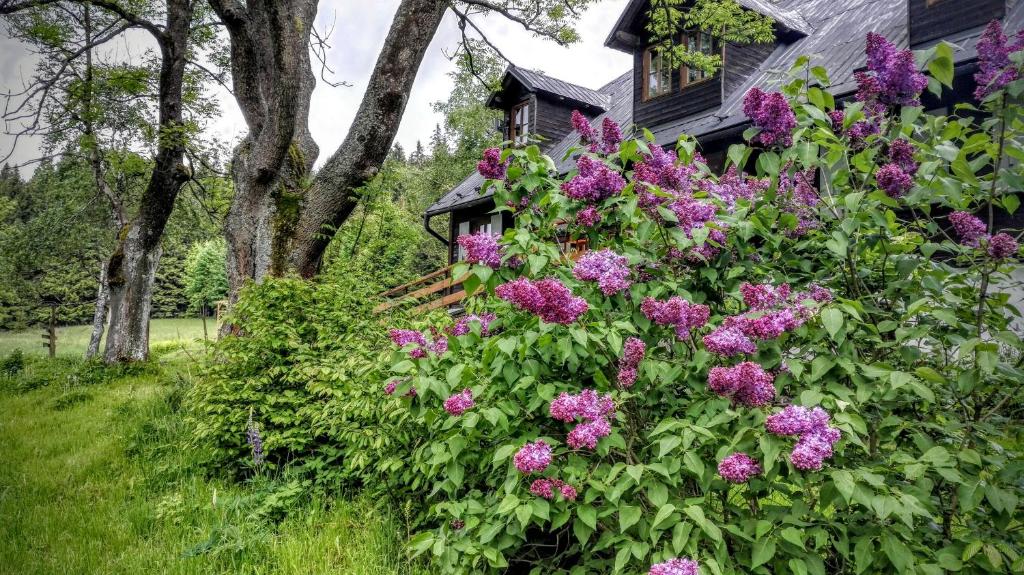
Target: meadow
(72, 340)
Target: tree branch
(526, 24)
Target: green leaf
(844, 482)
(864, 553)
(832, 319)
(764, 550)
(663, 514)
(524, 513)
(941, 67)
(898, 553)
(588, 515)
(507, 504)
(582, 531)
(712, 530)
(628, 516)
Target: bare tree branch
(527, 24)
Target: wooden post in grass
(50, 335)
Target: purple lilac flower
(533, 457)
(568, 492)
(746, 383)
(675, 311)
(390, 387)
(901, 153)
(611, 135)
(764, 296)
(675, 566)
(542, 488)
(632, 354)
(255, 441)
(459, 403)
(969, 228)
(594, 181)
(481, 248)
(733, 186)
(893, 180)
(581, 124)
(895, 79)
(1002, 246)
(547, 298)
(728, 341)
(588, 406)
(587, 434)
(461, 327)
(770, 112)
(607, 268)
(491, 167)
(457, 524)
(817, 437)
(588, 217)
(404, 337)
(995, 70)
(816, 293)
(838, 117)
(738, 468)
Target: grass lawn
(72, 340)
(94, 480)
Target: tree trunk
(99, 318)
(331, 198)
(206, 335)
(132, 273)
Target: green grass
(94, 479)
(73, 340)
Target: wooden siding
(677, 104)
(552, 120)
(946, 17)
(742, 61)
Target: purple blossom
(404, 337)
(675, 566)
(733, 186)
(588, 217)
(746, 383)
(542, 488)
(728, 341)
(593, 182)
(1002, 246)
(815, 292)
(901, 153)
(969, 228)
(588, 406)
(632, 354)
(763, 296)
(611, 135)
(817, 437)
(491, 167)
(995, 70)
(390, 387)
(459, 403)
(838, 117)
(533, 457)
(255, 441)
(738, 468)
(893, 180)
(587, 434)
(894, 79)
(607, 268)
(481, 248)
(568, 492)
(461, 327)
(675, 311)
(581, 124)
(457, 524)
(547, 298)
(770, 112)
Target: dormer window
(696, 41)
(657, 74)
(519, 124)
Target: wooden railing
(434, 290)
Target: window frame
(684, 70)
(514, 137)
(648, 59)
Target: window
(519, 126)
(657, 74)
(697, 42)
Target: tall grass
(72, 340)
(94, 479)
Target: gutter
(426, 226)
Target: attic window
(657, 74)
(696, 41)
(519, 126)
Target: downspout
(426, 226)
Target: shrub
(13, 364)
(820, 375)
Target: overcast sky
(359, 30)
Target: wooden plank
(445, 301)
(417, 281)
(420, 293)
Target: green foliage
(725, 20)
(12, 364)
(916, 359)
(206, 273)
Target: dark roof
(837, 42)
(538, 82)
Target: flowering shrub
(804, 365)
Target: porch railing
(434, 290)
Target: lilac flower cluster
(746, 383)
(774, 311)
(547, 298)
(675, 311)
(739, 468)
(588, 217)
(1002, 246)
(675, 566)
(546, 488)
(607, 268)
(392, 385)
(632, 354)
(481, 248)
(893, 181)
(764, 296)
(611, 134)
(404, 337)
(593, 182)
(593, 409)
(800, 198)
(892, 78)
(533, 457)
(995, 70)
(457, 524)
(969, 228)
(817, 437)
(733, 186)
(580, 123)
(459, 403)
(659, 169)
(770, 111)
(461, 327)
(255, 441)
(491, 167)
(728, 341)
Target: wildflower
(607, 268)
(588, 217)
(893, 180)
(533, 457)
(968, 227)
(547, 298)
(390, 387)
(995, 70)
(481, 248)
(733, 186)
(255, 440)
(491, 167)
(581, 124)
(728, 341)
(593, 182)
(738, 468)
(675, 566)
(461, 327)
(459, 403)
(746, 383)
(1002, 246)
(770, 112)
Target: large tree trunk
(99, 318)
(332, 197)
(132, 268)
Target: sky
(360, 27)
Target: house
(673, 101)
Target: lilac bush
(806, 363)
